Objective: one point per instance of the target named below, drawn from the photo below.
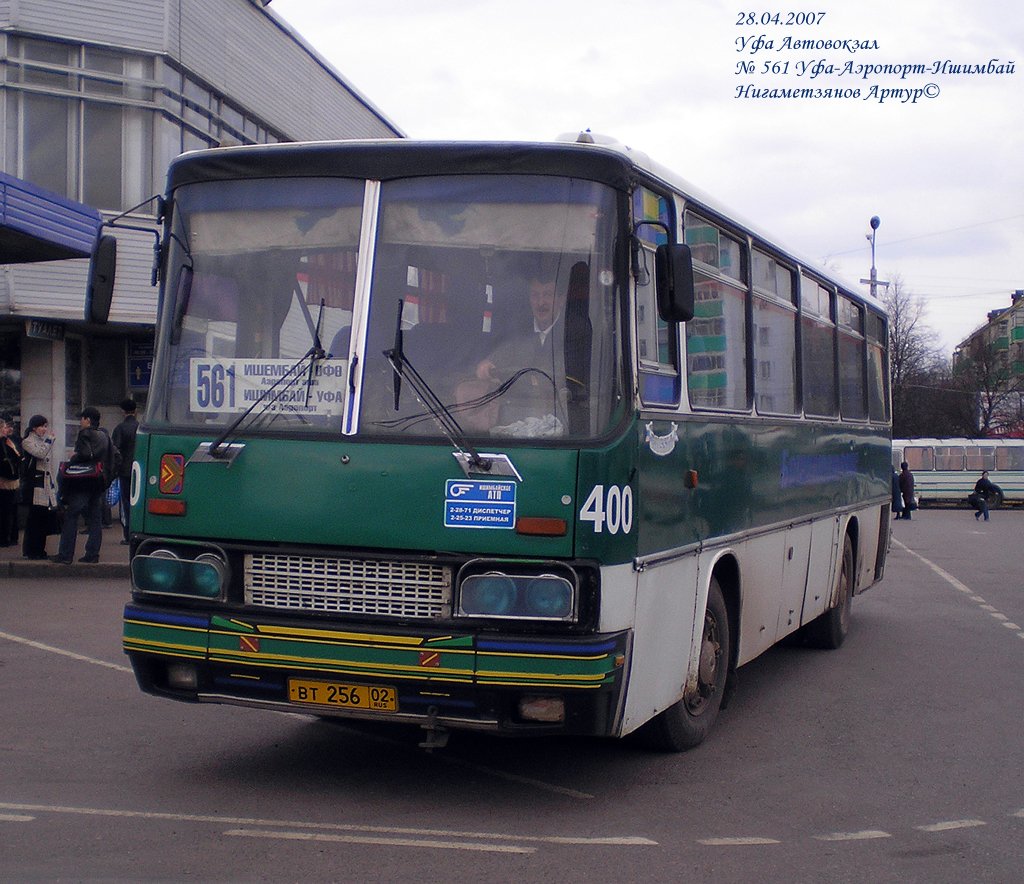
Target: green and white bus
(365, 486)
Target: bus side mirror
(100, 289)
(673, 273)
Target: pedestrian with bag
(10, 482)
(82, 486)
(897, 497)
(38, 490)
(983, 489)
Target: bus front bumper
(514, 684)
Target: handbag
(113, 494)
(54, 520)
(79, 472)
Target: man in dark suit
(534, 362)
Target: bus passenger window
(878, 368)
(852, 381)
(775, 381)
(919, 457)
(716, 337)
(819, 349)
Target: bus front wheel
(686, 724)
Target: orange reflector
(172, 473)
(691, 479)
(541, 526)
(161, 507)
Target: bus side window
(716, 338)
(919, 457)
(656, 340)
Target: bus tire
(685, 724)
(829, 631)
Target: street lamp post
(874, 281)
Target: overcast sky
(944, 173)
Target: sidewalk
(113, 561)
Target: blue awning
(37, 225)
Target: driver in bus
(532, 363)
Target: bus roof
(595, 157)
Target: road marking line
(516, 778)
(866, 835)
(1010, 625)
(626, 840)
(39, 646)
(390, 842)
(736, 842)
(15, 818)
(951, 824)
(956, 584)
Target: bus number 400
(610, 508)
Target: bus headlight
(517, 596)
(166, 571)
(549, 596)
(209, 575)
(160, 571)
(488, 595)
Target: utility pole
(874, 281)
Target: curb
(80, 571)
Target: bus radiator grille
(348, 586)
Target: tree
(916, 363)
(983, 368)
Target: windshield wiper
(317, 351)
(404, 370)
(266, 399)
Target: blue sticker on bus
(470, 503)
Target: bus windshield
(282, 297)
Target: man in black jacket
(984, 488)
(85, 496)
(123, 438)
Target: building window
(101, 126)
(10, 374)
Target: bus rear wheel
(829, 630)
(685, 724)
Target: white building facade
(96, 99)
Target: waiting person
(123, 438)
(982, 489)
(40, 489)
(907, 489)
(897, 497)
(85, 496)
(10, 476)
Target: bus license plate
(373, 698)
